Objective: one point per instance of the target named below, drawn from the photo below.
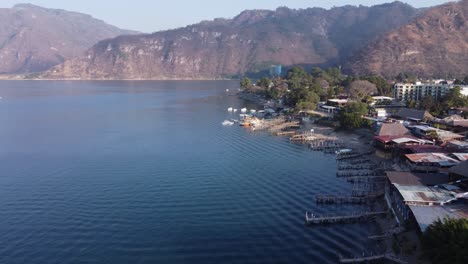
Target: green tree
(246, 83)
(445, 241)
(264, 83)
(350, 116)
(411, 104)
(455, 99)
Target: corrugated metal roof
(461, 156)
(426, 215)
(419, 179)
(439, 158)
(424, 194)
(460, 169)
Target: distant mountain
(434, 44)
(250, 42)
(34, 39)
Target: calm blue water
(144, 172)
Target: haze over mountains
(434, 44)
(251, 41)
(384, 39)
(34, 39)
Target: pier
(286, 133)
(331, 199)
(389, 257)
(355, 173)
(308, 136)
(353, 156)
(312, 219)
(360, 166)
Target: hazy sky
(154, 15)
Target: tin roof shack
(426, 215)
(414, 115)
(459, 171)
(453, 123)
(457, 146)
(406, 188)
(430, 162)
(388, 132)
(428, 132)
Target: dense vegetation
(454, 99)
(446, 241)
(303, 90)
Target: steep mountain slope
(34, 39)
(251, 41)
(435, 44)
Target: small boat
(234, 120)
(235, 110)
(227, 90)
(343, 151)
(227, 123)
(253, 111)
(230, 109)
(243, 110)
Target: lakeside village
(402, 145)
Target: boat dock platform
(331, 199)
(366, 259)
(308, 136)
(311, 219)
(286, 133)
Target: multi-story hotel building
(418, 90)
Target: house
(337, 102)
(406, 188)
(388, 132)
(430, 162)
(425, 131)
(457, 146)
(414, 115)
(422, 199)
(459, 171)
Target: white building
(418, 90)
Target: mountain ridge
(249, 42)
(34, 38)
(434, 44)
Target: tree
(350, 116)
(359, 89)
(427, 103)
(383, 87)
(455, 99)
(411, 104)
(264, 83)
(465, 80)
(445, 241)
(245, 83)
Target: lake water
(144, 172)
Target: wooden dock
(355, 173)
(353, 156)
(304, 137)
(286, 133)
(312, 219)
(390, 257)
(366, 179)
(331, 199)
(362, 166)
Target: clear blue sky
(154, 15)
